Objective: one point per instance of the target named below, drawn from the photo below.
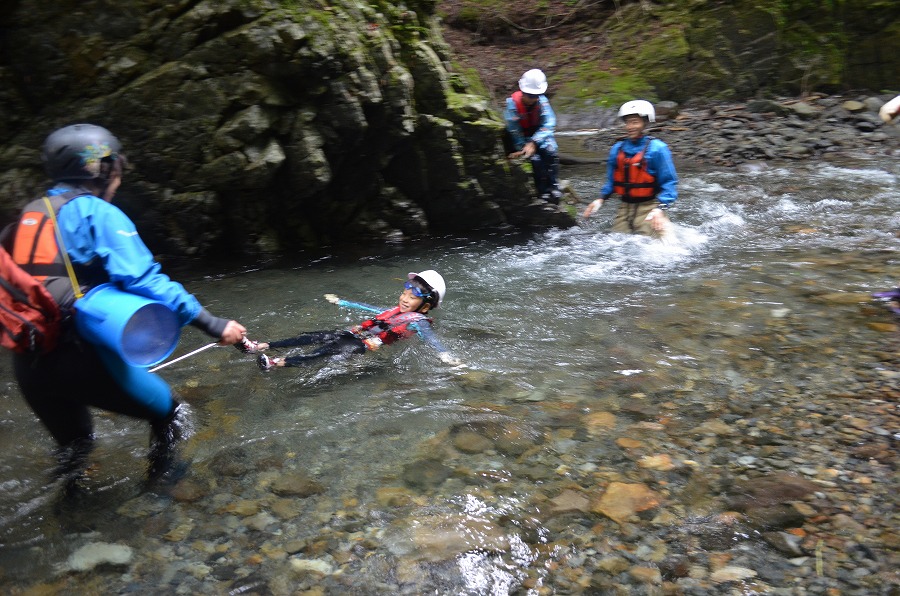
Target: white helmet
(433, 281)
(639, 107)
(534, 82)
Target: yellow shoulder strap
(76, 287)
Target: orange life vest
(631, 180)
(35, 248)
(36, 251)
(529, 116)
(31, 319)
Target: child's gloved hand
(332, 298)
(447, 358)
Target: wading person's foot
(164, 439)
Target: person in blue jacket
(421, 292)
(85, 163)
(640, 170)
(531, 122)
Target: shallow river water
(619, 398)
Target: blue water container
(142, 331)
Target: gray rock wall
(254, 124)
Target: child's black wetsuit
(385, 328)
(334, 343)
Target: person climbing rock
(531, 123)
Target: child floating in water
(421, 292)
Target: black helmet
(75, 152)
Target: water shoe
(265, 363)
(247, 346)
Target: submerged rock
(97, 554)
(621, 500)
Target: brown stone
(767, 491)
(621, 501)
(472, 442)
(296, 484)
(188, 491)
(570, 501)
(646, 575)
(662, 462)
(599, 422)
(843, 297)
(626, 443)
(391, 496)
(731, 574)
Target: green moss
(485, 16)
(597, 88)
(467, 80)
(662, 55)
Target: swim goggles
(416, 290)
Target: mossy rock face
(679, 53)
(712, 51)
(739, 46)
(697, 49)
(281, 124)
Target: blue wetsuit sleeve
(545, 137)
(360, 306)
(426, 332)
(664, 171)
(511, 116)
(94, 229)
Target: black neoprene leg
(342, 344)
(308, 338)
(61, 385)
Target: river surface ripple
(712, 415)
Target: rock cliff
(255, 124)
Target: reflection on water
(616, 390)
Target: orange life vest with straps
(529, 116)
(631, 180)
(390, 325)
(32, 307)
(35, 248)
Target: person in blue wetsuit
(421, 292)
(86, 164)
(531, 124)
(640, 170)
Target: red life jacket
(631, 179)
(529, 117)
(391, 325)
(30, 320)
